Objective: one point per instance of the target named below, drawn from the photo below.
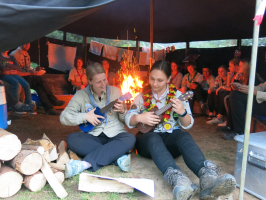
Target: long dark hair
(76, 60)
(163, 66)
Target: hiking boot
(184, 188)
(52, 112)
(73, 168)
(230, 136)
(212, 184)
(124, 162)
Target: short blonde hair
(93, 69)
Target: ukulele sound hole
(142, 125)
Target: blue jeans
(15, 80)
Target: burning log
(27, 162)
(10, 182)
(10, 145)
(35, 182)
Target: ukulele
(86, 127)
(144, 128)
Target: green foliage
(56, 35)
(71, 37)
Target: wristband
(184, 114)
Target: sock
(86, 165)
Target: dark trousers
(198, 95)
(238, 105)
(221, 106)
(164, 147)
(44, 92)
(100, 150)
(213, 102)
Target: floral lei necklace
(148, 97)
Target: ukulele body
(144, 128)
(87, 127)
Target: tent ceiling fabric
(25, 21)
(174, 20)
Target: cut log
(38, 149)
(62, 147)
(27, 162)
(63, 159)
(10, 181)
(73, 155)
(50, 153)
(35, 182)
(57, 166)
(10, 145)
(60, 176)
(54, 183)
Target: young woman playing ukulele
(167, 141)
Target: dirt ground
(214, 147)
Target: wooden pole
(85, 49)
(254, 53)
(151, 33)
(39, 50)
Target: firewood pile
(32, 164)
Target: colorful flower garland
(148, 97)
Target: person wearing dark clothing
(36, 82)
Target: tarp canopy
(174, 20)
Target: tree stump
(10, 145)
(27, 162)
(10, 181)
(35, 182)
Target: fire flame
(128, 76)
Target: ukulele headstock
(125, 97)
(189, 94)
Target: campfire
(129, 78)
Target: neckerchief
(192, 78)
(108, 91)
(174, 76)
(80, 76)
(205, 78)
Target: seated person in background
(35, 81)
(223, 91)
(176, 75)
(167, 141)
(77, 76)
(192, 81)
(213, 100)
(10, 70)
(110, 75)
(14, 105)
(109, 141)
(238, 104)
(242, 77)
(208, 81)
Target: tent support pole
(39, 52)
(85, 48)
(151, 33)
(250, 102)
(187, 47)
